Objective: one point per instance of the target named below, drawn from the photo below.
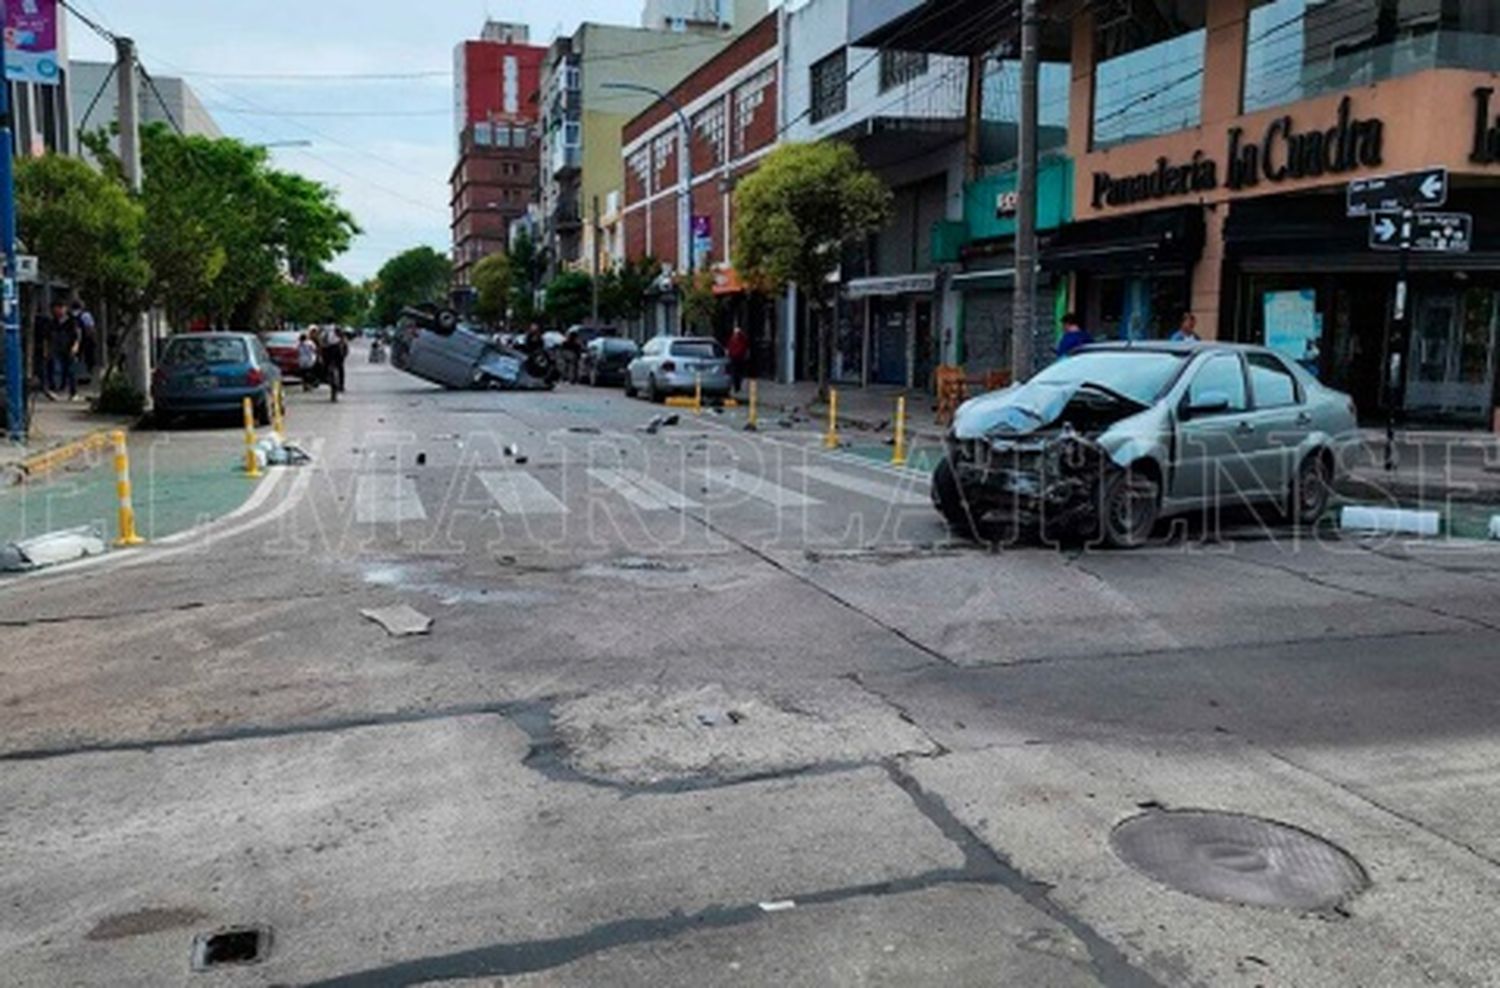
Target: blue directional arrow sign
(1430, 233)
(1424, 189)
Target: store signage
(1006, 203)
(1431, 233)
(31, 39)
(1486, 129)
(1423, 189)
(1281, 154)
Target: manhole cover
(234, 945)
(1229, 857)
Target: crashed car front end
(1038, 456)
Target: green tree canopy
(570, 298)
(492, 277)
(84, 229)
(413, 277)
(524, 265)
(622, 291)
(796, 213)
(323, 296)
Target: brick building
(731, 102)
(495, 115)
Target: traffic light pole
(15, 366)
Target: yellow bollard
(252, 467)
(697, 392)
(898, 453)
(278, 410)
(752, 421)
(128, 534)
(831, 437)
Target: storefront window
(1147, 82)
(1297, 49)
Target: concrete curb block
(38, 464)
(1495, 526)
(1393, 521)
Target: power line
(171, 117)
(446, 111)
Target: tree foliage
(570, 298)
(525, 266)
(84, 229)
(413, 277)
(323, 296)
(622, 291)
(700, 306)
(493, 278)
(795, 214)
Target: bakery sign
(1284, 151)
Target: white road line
(641, 491)
(760, 488)
(519, 493)
(387, 499)
(887, 493)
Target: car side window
(1220, 373)
(1270, 382)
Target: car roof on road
(1170, 346)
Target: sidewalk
(1432, 467)
(55, 427)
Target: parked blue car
(213, 373)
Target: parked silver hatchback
(669, 365)
(1113, 437)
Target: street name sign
(1424, 189)
(1431, 233)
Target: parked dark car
(213, 373)
(605, 359)
(282, 346)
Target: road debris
(778, 905)
(399, 620)
(587, 430)
(51, 549)
(421, 459)
(660, 422)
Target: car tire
(653, 393)
(1311, 490)
(630, 391)
(1129, 505)
(949, 498)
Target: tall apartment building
(582, 115)
(495, 121)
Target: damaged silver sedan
(1106, 442)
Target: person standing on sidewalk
(88, 336)
(307, 362)
(1073, 336)
(64, 341)
(1187, 330)
(739, 357)
(334, 348)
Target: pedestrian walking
(1073, 336)
(1187, 330)
(88, 336)
(333, 347)
(307, 362)
(63, 342)
(572, 355)
(739, 356)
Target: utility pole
(137, 341)
(15, 368)
(595, 238)
(1023, 302)
(1396, 344)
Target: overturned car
(436, 348)
(1109, 440)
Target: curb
(48, 460)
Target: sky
(386, 144)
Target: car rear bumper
(206, 403)
(686, 383)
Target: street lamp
(685, 198)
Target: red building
(731, 103)
(495, 120)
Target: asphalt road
(712, 707)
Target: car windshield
(617, 346)
(1140, 375)
(697, 348)
(211, 350)
(281, 339)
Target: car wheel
(653, 393)
(1311, 490)
(630, 391)
(948, 495)
(1129, 504)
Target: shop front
(888, 333)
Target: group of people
(571, 351)
(66, 346)
(1074, 335)
(321, 352)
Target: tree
(493, 278)
(622, 291)
(570, 298)
(323, 296)
(795, 214)
(700, 306)
(84, 229)
(526, 265)
(413, 277)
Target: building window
(1298, 49)
(1149, 79)
(484, 135)
(900, 67)
(748, 100)
(829, 82)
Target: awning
(899, 284)
(997, 280)
(727, 280)
(1138, 242)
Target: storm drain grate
(233, 945)
(1230, 857)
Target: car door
(1281, 421)
(1211, 466)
